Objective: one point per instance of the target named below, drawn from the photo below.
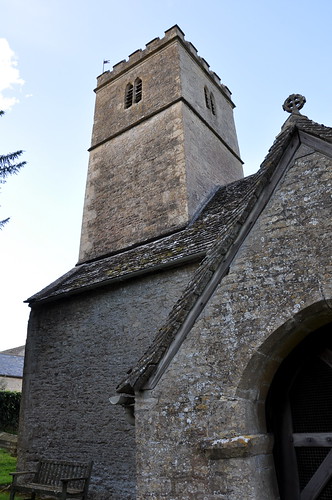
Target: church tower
(163, 139)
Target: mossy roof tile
(209, 237)
(235, 202)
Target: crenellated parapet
(172, 34)
(163, 140)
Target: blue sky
(51, 52)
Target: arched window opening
(207, 99)
(129, 95)
(299, 413)
(138, 90)
(213, 104)
(210, 102)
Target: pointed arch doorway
(299, 413)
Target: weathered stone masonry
(76, 347)
(146, 180)
(154, 165)
(283, 268)
(194, 286)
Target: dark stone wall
(78, 350)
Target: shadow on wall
(298, 410)
(258, 375)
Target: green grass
(7, 465)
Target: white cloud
(9, 74)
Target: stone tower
(163, 139)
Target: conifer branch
(9, 166)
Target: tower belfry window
(138, 89)
(129, 95)
(209, 101)
(213, 104)
(133, 93)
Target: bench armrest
(21, 473)
(17, 474)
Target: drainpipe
(128, 403)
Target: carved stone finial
(294, 103)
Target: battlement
(155, 159)
(173, 33)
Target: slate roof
(237, 202)
(11, 366)
(189, 244)
(210, 238)
(15, 351)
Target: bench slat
(48, 478)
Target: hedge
(9, 410)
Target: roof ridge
(190, 243)
(145, 368)
(199, 281)
(293, 122)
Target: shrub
(9, 410)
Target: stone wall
(139, 173)
(193, 81)
(218, 168)
(8, 442)
(10, 383)
(154, 164)
(78, 351)
(160, 74)
(201, 433)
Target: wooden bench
(55, 479)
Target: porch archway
(299, 414)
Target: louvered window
(209, 101)
(138, 89)
(129, 95)
(213, 105)
(133, 93)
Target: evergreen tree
(9, 166)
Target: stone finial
(294, 103)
